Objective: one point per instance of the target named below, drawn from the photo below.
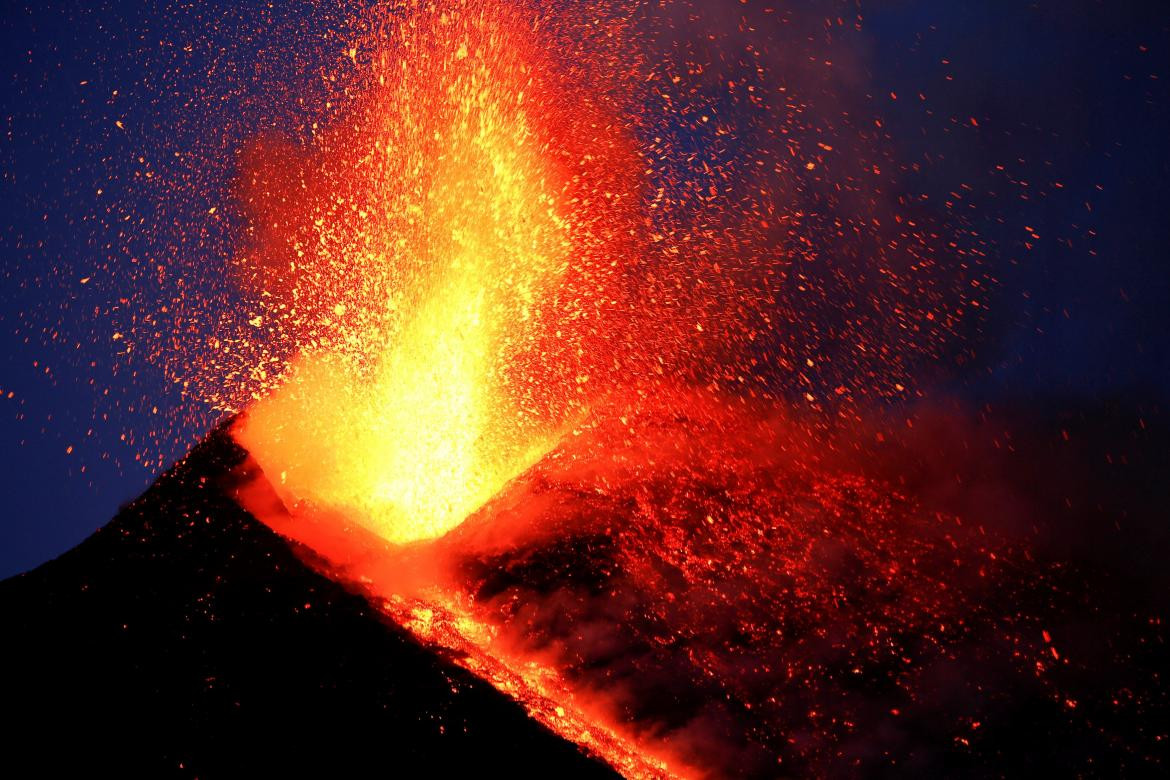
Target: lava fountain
(517, 404)
(430, 254)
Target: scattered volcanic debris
(491, 235)
(515, 226)
(693, 590)
(590, 347)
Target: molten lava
(524, 395)
(426, 256)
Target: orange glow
(520, 351)
(439, 234)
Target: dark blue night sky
(1072, 117)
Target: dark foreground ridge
(186, 638)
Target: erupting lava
(430, 254)
(491, 304)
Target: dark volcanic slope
(185, 637)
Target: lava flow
(520, 402)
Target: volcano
(187, 637)
(607, 388)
